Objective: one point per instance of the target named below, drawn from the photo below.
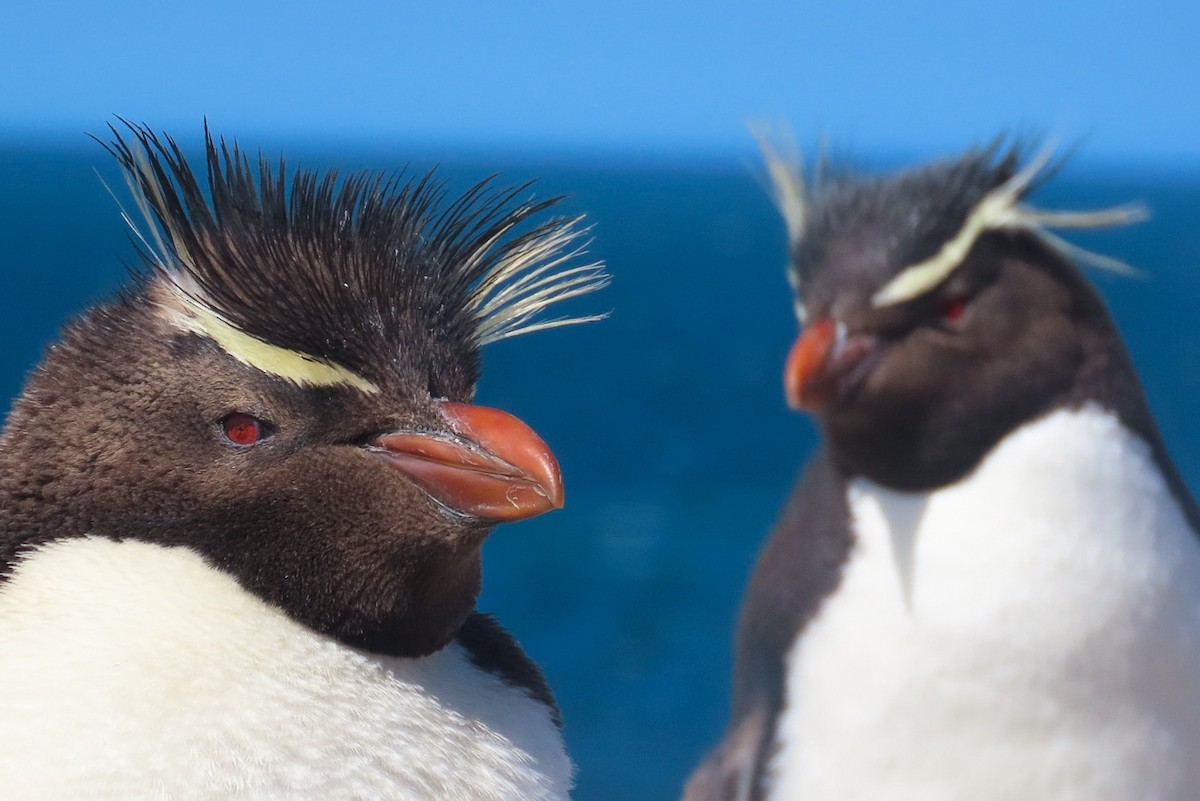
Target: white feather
(133, 671)
(1031, 632)
(786, 171)
(529, 280)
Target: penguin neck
(922, 446)
(1075, 470)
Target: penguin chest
(1031, 632)
(133, 671)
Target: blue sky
(625, 76)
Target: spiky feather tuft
(928, 219)
(1002, 209)
(347, 273)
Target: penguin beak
(825, 364)
(489, 464)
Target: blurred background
(668, 417)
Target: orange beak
(827, 365)
(805, 364)
(490, 465)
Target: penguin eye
(953, 308)
(243, 429)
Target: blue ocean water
(667, 418)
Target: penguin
(242, 503)
(986, 583)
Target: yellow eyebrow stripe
(917, 279)
(1001, 209)
(299, 368)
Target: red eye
(953, 308)
(244, 429)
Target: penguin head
(287, 390)
(937, 311)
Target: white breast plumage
(132, 671)
(1031, 632)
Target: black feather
(909, 215)
(354, 271)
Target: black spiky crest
(916, 227)
(349, 271)
(915, 213)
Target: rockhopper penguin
(242, 504)
(986, 584)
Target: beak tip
(554, 491)
(791, 392)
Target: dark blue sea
(668, 418)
